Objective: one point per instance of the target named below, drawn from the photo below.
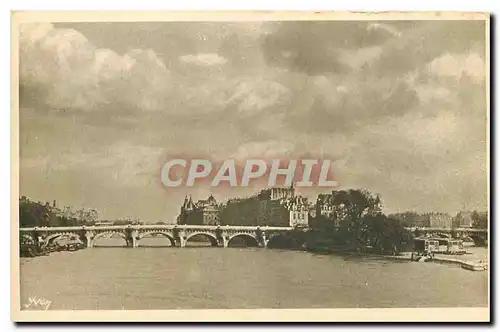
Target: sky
(398, 106)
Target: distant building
(203, 212)
(298, 208)
(105, 223)
(411, 219)
(209, 211)
(440, 220)
(463, 219)
(432, 219)
(312, 211)
(326, 207)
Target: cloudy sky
(399, 105)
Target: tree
(350, 207)
(480, 219)
(384, 234)
(32, 214)
(345, 225)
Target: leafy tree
(351, 207)
(480, 219)
(357, 222)
(33, 214)
(385, 234)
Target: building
(411, 219)
(105, 223)
(329, 209)
(203, 212)
(298, 208)
(278, 207)
(440, 220)
(324, 205)
(209, 211)
(463, 219)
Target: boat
(475, 266)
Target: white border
(352, 5)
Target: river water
(240, 278)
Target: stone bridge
(179, 235)
(478, 235)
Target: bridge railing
(153, 226)
(439, 229)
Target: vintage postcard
(250, 166)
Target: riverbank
(31, 250)
(471, 265)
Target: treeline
(358, 225)
(38, 214)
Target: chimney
(54, 203)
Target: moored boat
(475, 266)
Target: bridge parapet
(447, 230)
(177, 234)
(478, 235)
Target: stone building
(298, 208)
(326, 207)
(203, 212)
(463, 219)
(209, 211)
(440, 220)
(278, 207)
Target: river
(241, 278)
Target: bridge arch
(280, 241)
(478, 239)
(101, 235)
(211, 237)
(249, 239)
(51, 238)
(166, 235)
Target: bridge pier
(225, 240)
(181, 238)
(36, 239)
(86, 237)
(132, 238)
(262, 239)
(89, 239)
(264, 242)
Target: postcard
(250, 166)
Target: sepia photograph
(250, 166)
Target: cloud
(73, 74)
(385, 27)
(206, 59)
(121, 163)
(458, 65)
(422, 42)
(343, 103)
(317, 47)
(264, 149)
(361, 58)
(252, 96)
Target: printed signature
(35, 302)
